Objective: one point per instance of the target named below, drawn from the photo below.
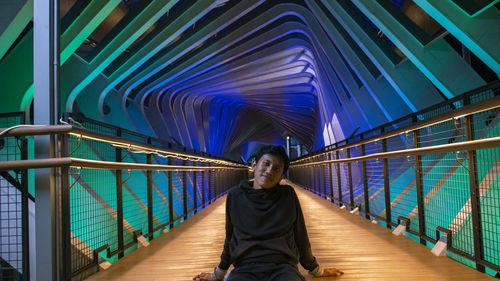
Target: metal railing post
(170, 193)
(387, 191)
(365, 184)
(65, 261)
(195, 189)
(203, 175)
(339, 181)
(314, 185)
(25, 210)
(477, 230)
(325, 178)
(330, 174)
(420, 189)
(349, 172)
(119, 199)
(209, 184)
(149, 176)
(184, 188)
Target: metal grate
(357, 178)
(375, 175)
(488, 166)
(12, 186)
(93, 204)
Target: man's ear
(254, 164)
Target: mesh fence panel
(335, 177)
(11, 184)
(190, 190)
(402, 184)
(375, 175)
(344, 175)
(93, 214)
(488, 166)
(357, 177)
(134, 186)
(177, 193)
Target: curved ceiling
(223, 76)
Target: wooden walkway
(364, 251)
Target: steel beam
(46, 98)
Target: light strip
(182, 156)
(108, 165)
(105, 165)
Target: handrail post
(365, 184)
(330, 176)
(310, 174)
(195, 189)
(321, 174)
(314, 185)
(25, 209)
(209, 184)
(349, 172)
(65, 213)
(318, 176)
(419, 186)
(149, 176)
(119, 199)
(170, 193)
(339, 181)
(477, 230)
(184, 188)
(387, 191)
(203, 175)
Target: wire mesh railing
(14, 256)
(119, 190)
(435, 171)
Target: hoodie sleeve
(306, 258)
(225, 258)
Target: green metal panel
(403, 77)
(23, 15)
(438, 61)
(480, 34)
(126, 37)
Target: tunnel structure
(123, 119)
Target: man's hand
(331, 272)
(203, 277)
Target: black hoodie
(265, 226)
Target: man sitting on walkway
(266, 234)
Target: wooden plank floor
(364, 251)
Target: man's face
(268, 171)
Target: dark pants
(265, 272)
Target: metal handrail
(85, 133)
(455, 114)
(35, 130)
(104, 165)
(462, 146)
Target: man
(266, 235)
